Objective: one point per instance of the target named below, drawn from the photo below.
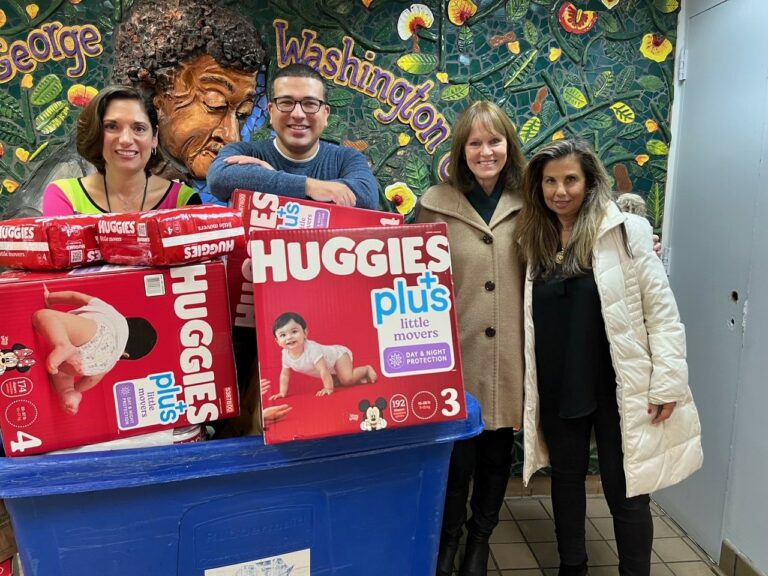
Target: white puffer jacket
(647, 343)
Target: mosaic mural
(398, 72)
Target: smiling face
(128, 137)
(298, 133)
(486, 154)
(564, 187)
(204, 111)
(291, 337)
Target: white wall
(717, 238)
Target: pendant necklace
(560, 256)
(143, 198)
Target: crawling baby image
(87, 341)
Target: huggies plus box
(262, 211)
(356, 330)
(106, 352)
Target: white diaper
(100, 353)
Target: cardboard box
(181, 371)
(262, 211)
(385, 295)
(7, 540)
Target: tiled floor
(524, 542)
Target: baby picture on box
(101, 353)
(87, 342)
(357, 326)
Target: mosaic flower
(412, 20)
(610, 3)
(443, 77)
(367, 3)
(514, 47)
(651, 125)
(403, 139)
(22, 155)
(559, 135)
(641, 159)
(3, 18)
(80, 95)
(27, 81)
(10, 185)
(576, 20)
(2, 150)
(32, 10)
(555, 53)
(655, 47)
(459, 11)
(401, 196)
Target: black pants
(487, 458)
(568, 443)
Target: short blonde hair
(631, 203)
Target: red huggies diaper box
(49, 243)
(356, 330)
(262, 211)
(175, 236)
(108, 352)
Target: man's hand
(335, 192)
(241, 159)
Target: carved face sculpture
(203, 112)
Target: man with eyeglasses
(296, 162)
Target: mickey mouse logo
(373, 415)
(18, 357)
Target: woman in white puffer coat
(605, 351)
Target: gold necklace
(560, 256)
(143, 198)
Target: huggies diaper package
(49, 243)
(107, 352)
(175, 236)
(356, 330)
(262, 211)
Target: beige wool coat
(488, 280)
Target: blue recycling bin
(347, 506)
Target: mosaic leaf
(652, 83)
(631, 131)
(659, 170)
(603, 84)
(548, 111)
(625, 79)
(453, 93)
(342, 7)
(623, 113)
(46, 90)
(666, 6)
(531, 33)
(417, 174)
(340, 98)
(417, 63)
(655, 204)
(530, 129)
(466, 37)
(9, 107)
(11, 133)
(516, 9)
(601, 122)
(546, 3)
(480, 92)
(575, 97)
(608, 22)
(52, 117)
(261, 134)
(520, 68)
(657, 147)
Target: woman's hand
(661, 412)
(275, 413)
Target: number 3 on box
(452, 406)
(24, 441)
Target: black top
(573, 359)
(485, 204)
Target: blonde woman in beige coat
(605, 352)
(480, 203)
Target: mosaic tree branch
(661, 121)
(41, 17)
(29, 126)
(387, 155)
(483, 12)
(617, 159)
(585, 52)
(441, 38)
(655, 17)
(8, 171)
(484, 74)
(531, 144)
(359, 39)
(562, 41)
(550, 83)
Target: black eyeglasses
(287, 104)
